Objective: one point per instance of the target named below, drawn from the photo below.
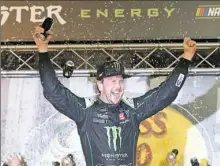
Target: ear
(100, 85)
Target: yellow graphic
(122, 13)
(199, 11)
(159, 135)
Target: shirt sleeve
(59, 96)
(158, 98)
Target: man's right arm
(59, 96)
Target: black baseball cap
(111, 68)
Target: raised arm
(60, 97)
(157, 99)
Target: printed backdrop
(111, 20)
(32, 127)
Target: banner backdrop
(112, 20)
(32, 127)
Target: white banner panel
(31, 126)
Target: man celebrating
(109, 125)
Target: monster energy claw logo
(117, 66)
(114, 133)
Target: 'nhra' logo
(208, 11)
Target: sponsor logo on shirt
(122, 116)
(180, 80)
(114, 137)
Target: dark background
(183, 21)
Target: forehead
(117, 77)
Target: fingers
(39, 36)
(189, 42)
(35, 36)
(193, 43)
(18, 156)
(48, 37)
(14, 159)
(186, 39)
(39, 29)
(50, 33)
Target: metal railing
(146, 59)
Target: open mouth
(116, 93)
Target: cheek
(107, 88)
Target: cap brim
(123, 75)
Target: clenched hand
(189, 48)
(42, 45)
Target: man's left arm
(158, 98)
